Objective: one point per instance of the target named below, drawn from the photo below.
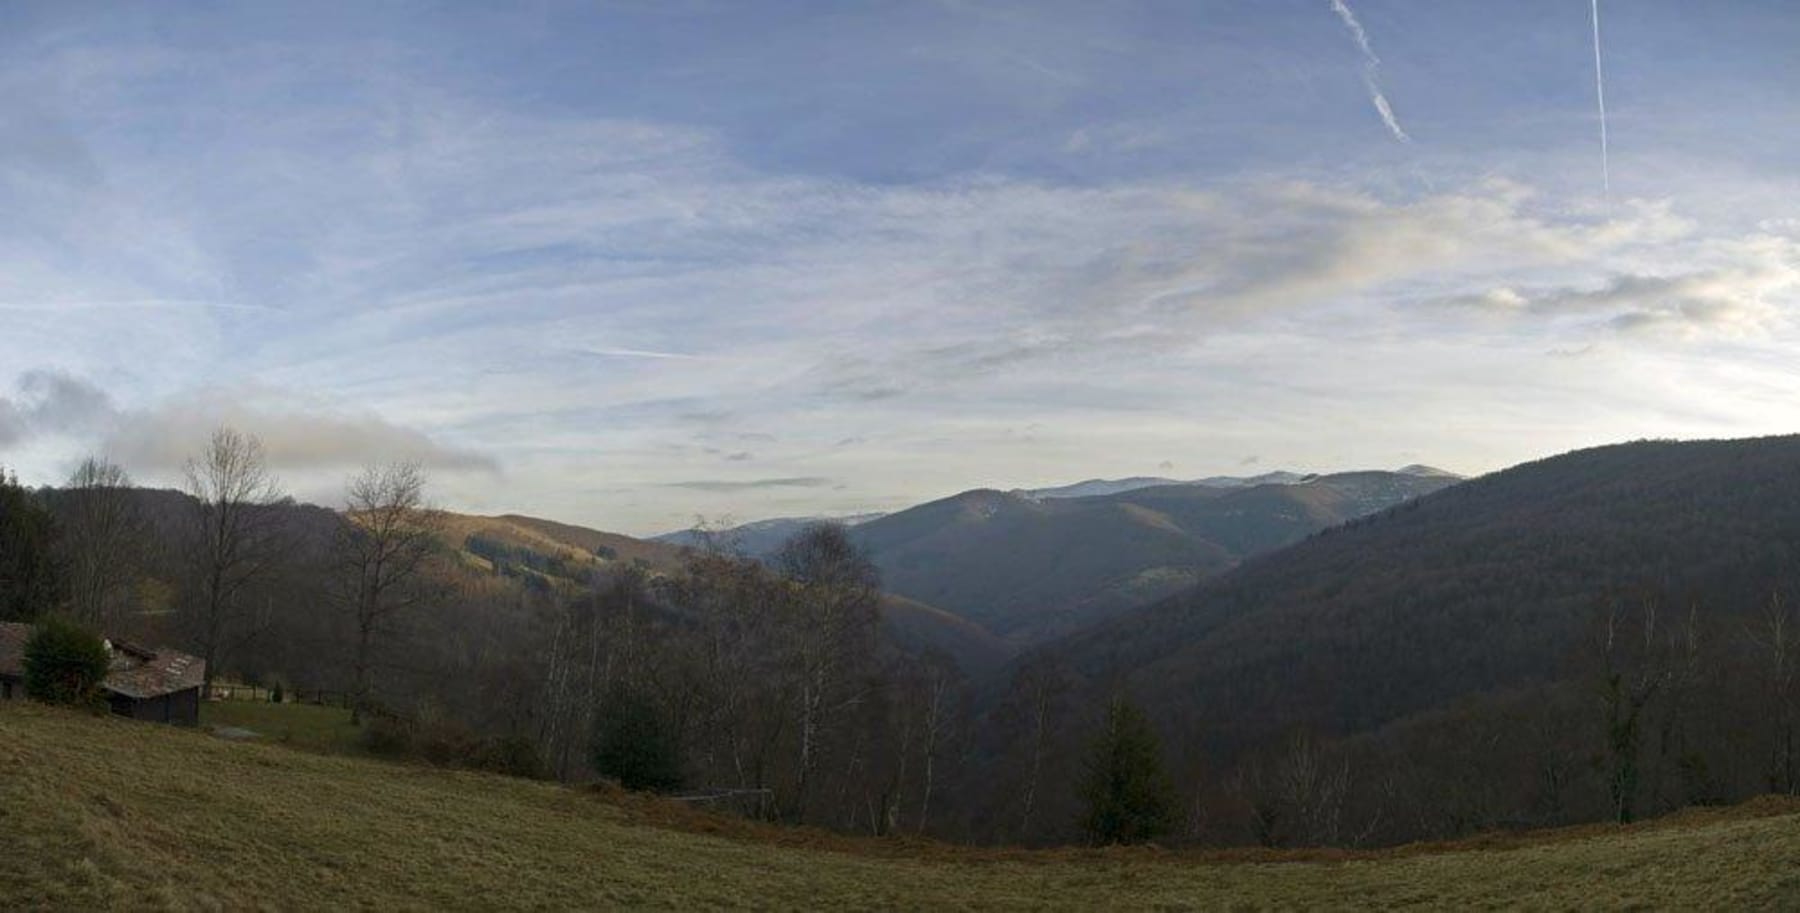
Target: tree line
(764, 686)
(769, 687)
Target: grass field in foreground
(100, 813)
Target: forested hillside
(528, 645)
(1031, 568)
(1469, 647)
(546, 554)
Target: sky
(630, 264)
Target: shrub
(65, 664)
(388, 736)
(276, 693)
(635, 744)
(512, 755)
(445, 743)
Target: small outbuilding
(159, 685)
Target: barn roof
(143, 673)
(136, 672)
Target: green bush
(635, 745)
(65, 664)
(276, 694)
(512, 755)
(388, 736)
(444, 742)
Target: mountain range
(1029, 565)
(762, 537)
(977, 576)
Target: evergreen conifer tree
(30, 584)
(1129, 796)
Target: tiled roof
(140, 673)
(12, 648)
(136, 672)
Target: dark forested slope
(1488, 585)
(1032, 568)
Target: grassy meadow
(309, 726)
(99, 813)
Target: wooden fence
(319, 696)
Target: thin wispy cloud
(1371, 70)
(727, 486)
(149, 304)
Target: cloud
(1202, 265)
(63, 403)
(163, 438)
(12, 423)
(727, 485)
(51, 402)
(1314, 243)
(158, 440)
(1750, 293)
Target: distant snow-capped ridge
(1098, 487)
(1430, 472)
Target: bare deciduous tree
(1640, 662)
(389, 535)
(1297, 794)
(1039, 686)
(102, 538)
(830, 629)
(941, 685)
(1777, 634)
(235, 536)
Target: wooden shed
(159, 685)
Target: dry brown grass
(97, 813)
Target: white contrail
(1385, 110)
(641, 353)
(1600, 96)
(1370, 64)
(1356, 30)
